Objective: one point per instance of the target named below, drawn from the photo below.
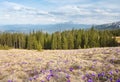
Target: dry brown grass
(118, 39)
(33, 66)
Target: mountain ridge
(108, 26)
(50, 28)
(45, 28)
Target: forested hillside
(70, 39)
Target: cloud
(83, 13)
(70, 2)
(17, 13)
(77, 11)
(65, 1)
(17, 8)
(12, 6)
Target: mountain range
(45, 28)
(26, 28)
(108, 26)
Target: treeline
(115, 32)
(71, 39)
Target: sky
(59, 11)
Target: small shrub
(5, 47)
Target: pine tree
(54, 42)
(70, 41)
(77, 39)
(64, 43)
(58, 35)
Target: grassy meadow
(79, 65)
(59, 40)
(118, 39)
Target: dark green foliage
(54, 41)
(71, 39)
(77, 40)
(64, 43)
(39, 47)
(5, 47)
(47, 41)
(115, 32)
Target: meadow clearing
(80, 65)
(118, 39)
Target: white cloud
(96, 12)
(89, 13)
(66, 1)
(16, 13)
(18, 8)
(76, 10)
(12, 6)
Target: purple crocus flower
(99, 75)
(103, 74)
(42, 81)
(51, 71)
(48, 77)
(93, 74)
(51, 75)
(83, 77)
(111, 79)
(68, 80)
(118, 80)
(67, 76)
(80, 67)
(87, 75)
(90, 80)
(93, 66)
(71, 69)
(10, 81)
(35, 77)
(117, 70)
(111, 72)
(24, 62)
(30, 79)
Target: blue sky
(59, 11)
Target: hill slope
(45, 28)
(109, 26)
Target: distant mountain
(45, 28)
(50, 28)
(109, 26)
